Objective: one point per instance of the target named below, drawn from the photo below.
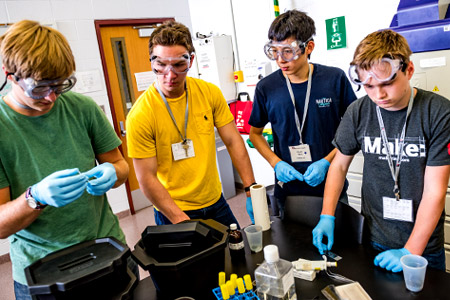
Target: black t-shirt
(331, 94)
(426, 141)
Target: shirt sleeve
(103, 135)
(221, 111)
(345, 139)
(439, 147)
(140, 138)
(259, 117)
(348, 96)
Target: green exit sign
(336, 34)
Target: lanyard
(395, 170)
(171, 114)
(305, 111)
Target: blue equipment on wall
(424, 23)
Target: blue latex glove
(390, 259)
(316, 172)
(60, 188)
(105, 177)
(249, 207)
(324, 227)
(285, 172)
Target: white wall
(252, 19)
(75, 19)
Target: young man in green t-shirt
(58, 153)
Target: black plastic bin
(183, 259)
(95, 269)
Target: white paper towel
(260, 208)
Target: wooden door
(126, 65)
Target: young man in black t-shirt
(403, 133)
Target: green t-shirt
(31, 148)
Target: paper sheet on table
(352, 291)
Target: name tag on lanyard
(400, 210)
(300, 153)
(183, 150)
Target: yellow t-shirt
(193, 183)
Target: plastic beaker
(414, 269)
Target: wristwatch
(33, 203)
(247, 188)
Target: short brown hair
(171, 33)
(29, 49)
(380, 44)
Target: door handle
(123, 132)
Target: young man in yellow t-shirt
(171, 138)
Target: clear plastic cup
(414, 269)
(254, 237)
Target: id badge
(183, 150)
(401, 210)
(300, 153)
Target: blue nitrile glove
(285, 172)
(249, 207)
(105, 177)
(316, 172)
(324, 227)
(390, 259)
(60, 188)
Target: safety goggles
(288, 52)
(163, 65)
(42, 88)
(383, 71)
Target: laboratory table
(295, 241)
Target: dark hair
(293, 23)
(171, 33)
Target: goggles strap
(13, 99)
(4, 83)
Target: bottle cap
(233, 226)
(271, 253)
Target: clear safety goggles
(42, 88)
(383, 71)
(288, 52)
(163, 65)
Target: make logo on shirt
(324, 102)
(413, 147)
(448, 148)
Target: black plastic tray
(96, 267)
